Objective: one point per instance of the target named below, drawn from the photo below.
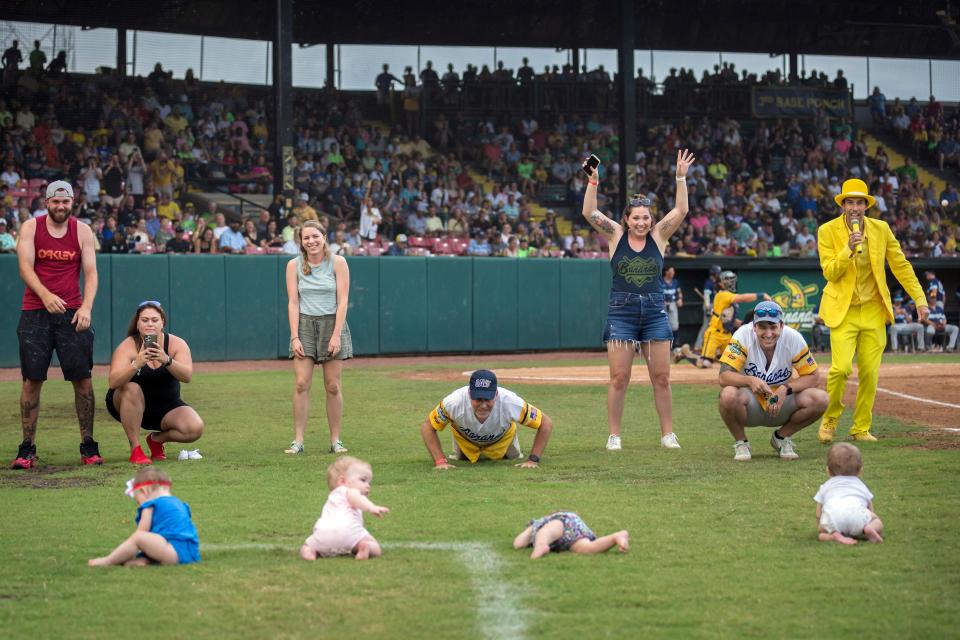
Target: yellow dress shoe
(826, 430)
(866, 436)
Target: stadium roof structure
(890, 28)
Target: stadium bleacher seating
(754, 179)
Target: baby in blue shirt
(165, 533)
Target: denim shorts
(637, 318)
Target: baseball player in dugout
(484, 419)
(856, 303)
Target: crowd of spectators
(132, 146)
(932, 131)
(758, 189)
(442, 87)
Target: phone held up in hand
(590, 166)
(150, 341)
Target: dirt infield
(233, 366)
(909, 392)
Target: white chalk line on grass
(907, 396)
(501, 615)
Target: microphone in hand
(856, 229)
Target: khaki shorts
(758, 417)
(315, 332)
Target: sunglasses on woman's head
(148, 303)
(640, 201)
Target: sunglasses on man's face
(773, 314)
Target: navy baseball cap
(768, 311)
(715, 268)
(483, 385)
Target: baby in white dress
(340, 530)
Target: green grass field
(719, 549)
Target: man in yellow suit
(856, 302)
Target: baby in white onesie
(844, 503)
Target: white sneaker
(613, 443)
(190, 455)
(784, 446)
(741, 451)
(670, 441)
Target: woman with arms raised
(636, 317)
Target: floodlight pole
(283, 163)
(627, 94)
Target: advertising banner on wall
(799, 102)
(798, 292)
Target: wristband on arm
(760, 294)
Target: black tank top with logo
(637, 271)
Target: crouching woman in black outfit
(145, 375)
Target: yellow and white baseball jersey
(745, 355)
(723, 310)
(492, 436)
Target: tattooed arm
(604, 225)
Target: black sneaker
(90, 452)
(26, 456)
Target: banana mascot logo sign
(798, 301)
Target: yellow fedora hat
(854, 188)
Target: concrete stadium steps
(537, 210)
(898, 160)
(227, 203)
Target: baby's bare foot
(623, 541)
(872, 535)
(363, 551)
(842, 539)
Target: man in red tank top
(51, 251)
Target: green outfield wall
(235, 307)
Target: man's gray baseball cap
(59, 185)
